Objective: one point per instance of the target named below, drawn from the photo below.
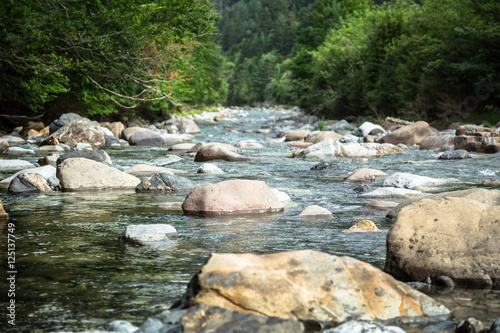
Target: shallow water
(74, 274)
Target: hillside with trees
(105, 56)
(433, 60)
(416, 59)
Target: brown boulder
(296, 135)
(319, 136)
(363, 226)
(232, 197)
(408, 135)
(437, 141)
(476, 138)
(116, 128)
(215, 151)
(364, 175)
(454, 237)
(314, 287)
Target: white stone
(19, 151)
(390, 192)
(367, 128)
(282, 196)
(14, 165)
(410, 181)
(83, 146)
(143, 234)
(315, 210)
(209, 168)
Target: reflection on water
(74, 273)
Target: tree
(106, 53)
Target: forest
(432, 60)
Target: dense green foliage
(108, 54)
(416, 59)
(409, 58)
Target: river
(73, 274)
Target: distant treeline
(431, 59)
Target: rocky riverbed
(251, 219)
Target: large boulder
(62, 121)
(146, 138)
(476, 138)
(488, 197)
(82, 130)
(165, 182)
(454, 237)
(29, 183)
(320, 289)
(318, 136)
(129, 131)
(82, 174)
(437, 142)
(408, 135)
(232, 197)
(216, 151)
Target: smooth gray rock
(95, 155)
(459, 154)
(146, 138)
(19, 151)
(82, 174)
(165, 182)
(64, 119)
(13, 140)
(142, 234)
(15, 165)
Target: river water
(73, 274)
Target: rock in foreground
(316, 288)
(232, 197)
(454, 237)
